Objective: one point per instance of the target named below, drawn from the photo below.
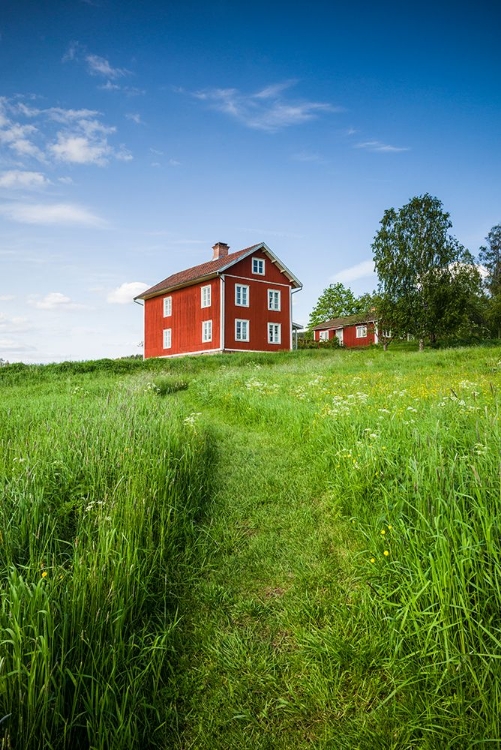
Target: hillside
(258, 551)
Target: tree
(490, 258)
(336, 302)
(428, 282)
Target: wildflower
(390, 527)
(373, 560)
(383, 532)
(386, 553)
(44, 574)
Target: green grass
(256, 551)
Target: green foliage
(336, 302)
(490, 257)
(429, 285)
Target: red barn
(235, 302)
(353, 330)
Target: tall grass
(100, 492)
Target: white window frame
(274, 333)
(205, 296)
(258, 266)
(167, 307)
(361, 332)
(206, 330)
(323, 336)
(274, 300)
(242, 292)
(167, 338)
(241, 330)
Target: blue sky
(133, 136)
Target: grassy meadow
(252, 552)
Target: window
(207, 330)
(167, 307)
(361, 332)
(167, 338)
(323, 336)
(274, 333)
(242, 295)
(273, 299)
(205, 292)
(241, 330)
(258, 266)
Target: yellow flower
(386, 553)
(373, 559)
(390, 528)
(44, 574)
(383, 531)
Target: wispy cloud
(134, 117)
(382, 147)
(75, 136)
(14, 325)
(10, 346)
(54, 301)
(267, 109)
(360, 271)
(16, 178)
(125, 293)
(100, 66)
(47, 214)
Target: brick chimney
(220, 250)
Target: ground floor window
(207, 330)
(274, 333)
(167, 338)
(323, 335)
(241, 330)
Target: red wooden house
(236, 301)
(353, 330)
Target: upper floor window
(167, 307)
(361, 332)
(258, 266)
(242, 295)
(241, 330)
(273, 299)
(274, 333)
(207, 330)
(206, 296)
(167, 338)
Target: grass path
(272, 643)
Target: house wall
(185, 321)
(257, 312)
(350, 336)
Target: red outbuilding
(238, 301)
(353, 330)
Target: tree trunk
(421, 345)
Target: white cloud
(383, 147)
(6, 297)
(266, 109)
(82, 139)
(80, 150)
(99, 66)
(11, 346)
(134, 117)
(14, 325)
(360, 271)
(54, 301)
(17, 178)
(56, 213)
(125, 293)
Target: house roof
(214, 268)
(349, 320)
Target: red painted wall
(185, 321)
(257, 312)
(350, 336)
